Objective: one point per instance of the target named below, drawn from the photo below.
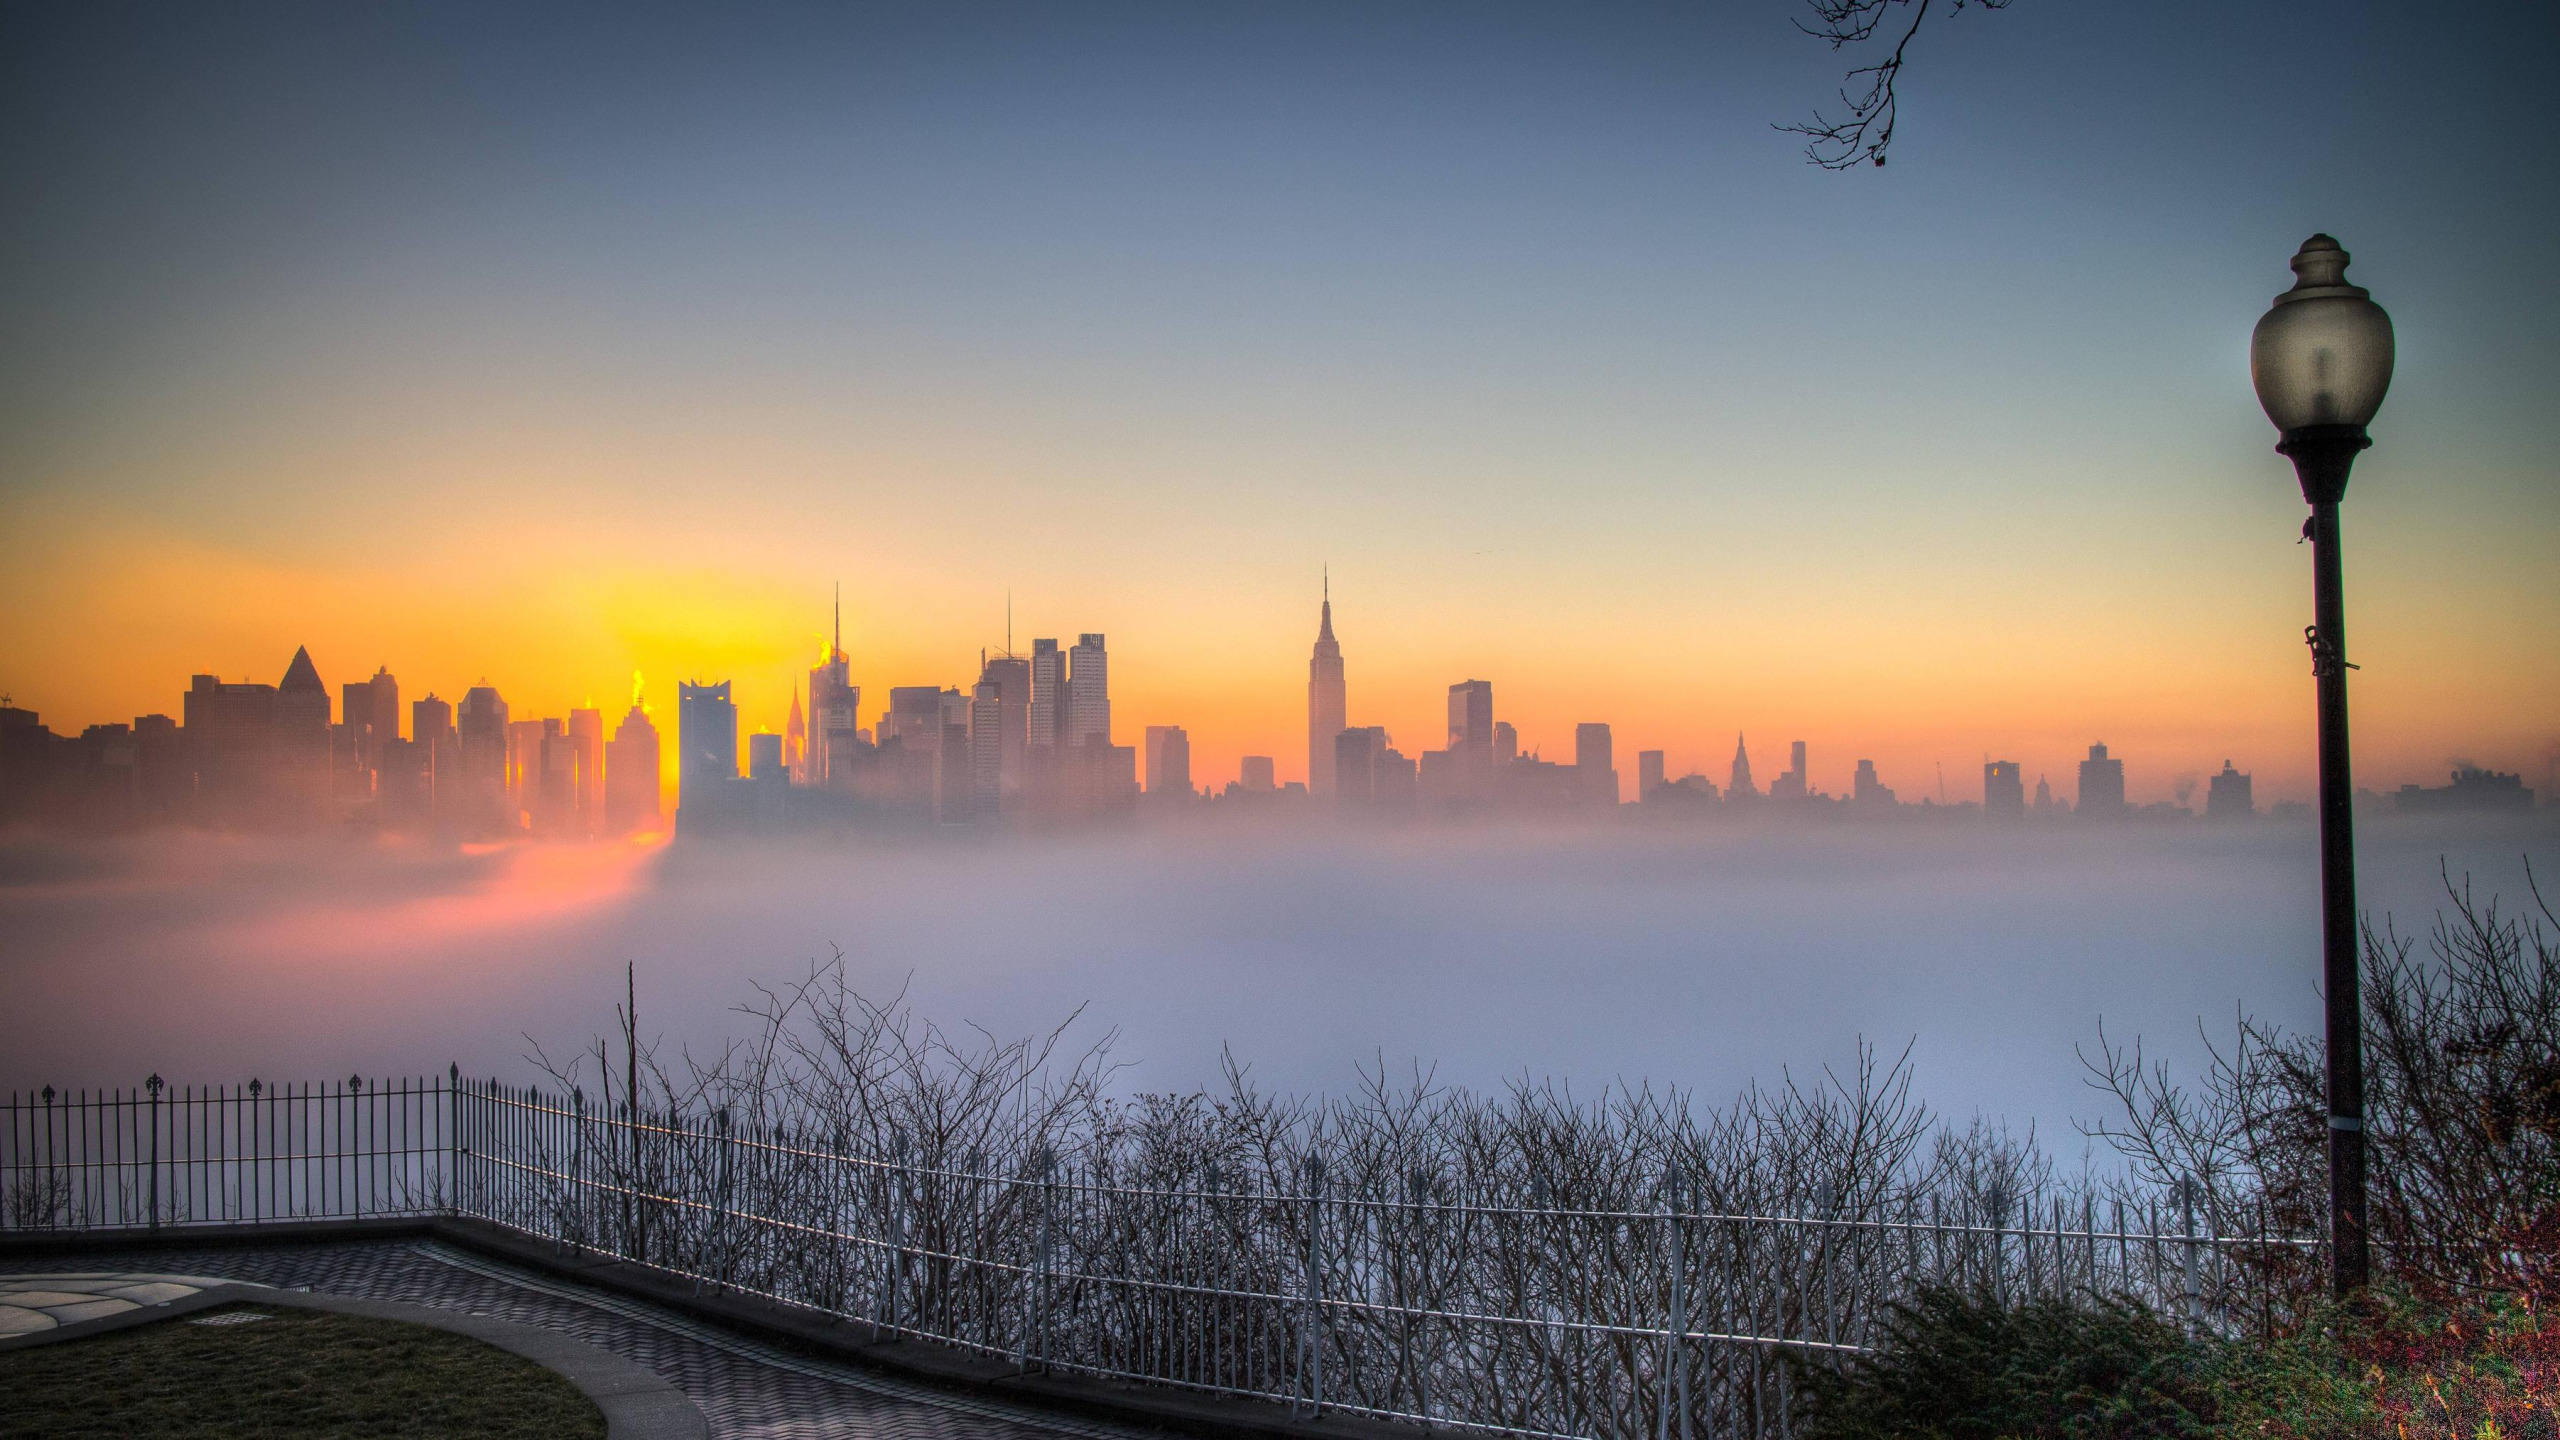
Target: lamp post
(2321, 360)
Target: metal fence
(1426, 1304)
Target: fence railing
(1425, 1304)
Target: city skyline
(1528, 324)
(1029, 739)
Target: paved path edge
(637, 1404)
(797, 1327)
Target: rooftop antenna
(1008, 622)
(839, 645)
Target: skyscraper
(1168, 761)
(835, 705)
(2101, 786)
(1866, 788)
(987, 744)
(1088, 719)
(2004, 790)
(1011, 675)
(1794, 784)
(1355, 760)
(482, 730)
(2227, 796)
(1648, 773)
(706, 743)
(1048, 695)
(1739, 784)
(631, 773)
(1593, 758)
(1325, 709)
(1471, 718)
(1254, 773)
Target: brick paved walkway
(749, 1390)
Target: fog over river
(1704, 957)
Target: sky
(555, 345)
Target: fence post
(453, 1151)
(152, 1119)
(573, 1219)
(1675, 1334)
(2187, 1188)
(1315, 1330)
(896, 1279)
(1035, 1317)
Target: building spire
(837, 653)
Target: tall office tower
(369, 717)
(586, 726)
(302, 724)
(1168, 761)
(1048, 696)
(1792, 785)
(1355, 762)
(1506, 743)
(795, 743)
(1648, 773)
(481, 729)
(2004, 790)
(631, 773)
(1325, 708)
(1471, 718)
(1593, 759)
(560, 800)
(524, 767)
(1866, 788)
(835, 703)
(764, 758)
(2044, 796)
(1255, 773)
(1739, 783)
(706, 743)
(1011, 675)
(1088, 693)
(2227, 796)
(439, 759)
(2101, 786)
(986, 751)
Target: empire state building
(1324, 701)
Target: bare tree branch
(1865, 132)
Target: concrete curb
(637, 1404)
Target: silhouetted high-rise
(835, 706)
(1254, 773)
(1326, 710)
(1739, 783)
(2227, 796)
(586, 728)
(631, 773)
(1593, 757)
(2004, 790)
(1649, 776)
(706, 744)
(1471, 718)
(2101, 786)
(1168, 761)
(1088, 693)
(1011, 675)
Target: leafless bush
(2462, 1125)
(1528, 1259)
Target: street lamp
(2321, 360)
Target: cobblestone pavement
(749, 1390)
(29, 1303)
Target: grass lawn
(294, 1374)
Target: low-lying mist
(1705, 958)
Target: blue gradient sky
(555, 346)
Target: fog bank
(1705, 958)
